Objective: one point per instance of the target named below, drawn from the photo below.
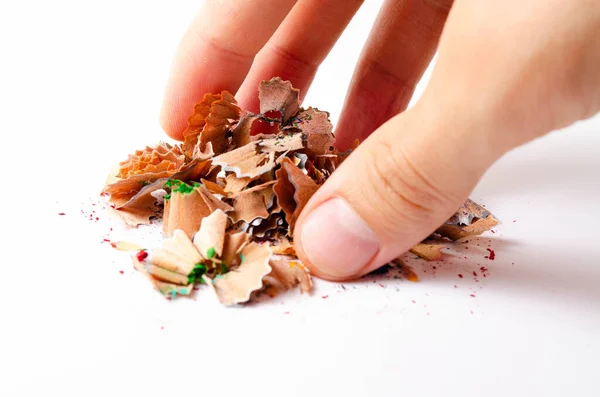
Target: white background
(80, 87)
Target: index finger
(216, 53)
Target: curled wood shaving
(406, 270)
(211, 119)
(245, 161)
(203, 154)
(248, 207)
(165, 288)
(240, 135)
(284, 247)
(159, 161)
(134, 193)
(288, 273)
(252, 203)
(125, 246)
(135, 217)
(177, 254)
(317, 128)
(237, 285)
(214, 187)
(185, 211)
(212, 202)
(233, 184)
(471, 219)
(282, 143)
(232, 247)
(430, 252)
(162, 274)
(293, 190)
(278, 95)
(212, 234)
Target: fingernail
(336, 240)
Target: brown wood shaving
(280, 96)
(232, 248)
(237, 285)
(471, 219)
(212, 233)
(317, 128)
(293, 190)
(289, 272)
(429, 252)
(245, 161)
(209, 122)
(160, 161)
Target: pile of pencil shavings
(230, 194)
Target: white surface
(81, 86)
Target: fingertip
(334, 241)
(306, 261)
(172, 124)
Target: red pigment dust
(61, 213)
(460, 275)
(472, 295)
(492, 254)
(141, 255)
(325, 296)
(121, 271)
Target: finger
(400, 185)
(216, 53)
(400, 47)
(298, 46)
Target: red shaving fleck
(264, 127)
(414, 302)
(472, 295)
(460, 275)
(113, 206)
(381, 285)
(121, 271)
(114, 245)
(97, 218)
(492, 230)
(492, 254)
(474, 273)
(286, 312)
(106, 240)
(514, 221)
(61, 213)
(325, 296)
(455, 286)
(161, 327)
(141, 255)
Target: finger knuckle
(403, 189)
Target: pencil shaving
(231, 195)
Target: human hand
(505, 74)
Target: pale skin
(507, 72)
